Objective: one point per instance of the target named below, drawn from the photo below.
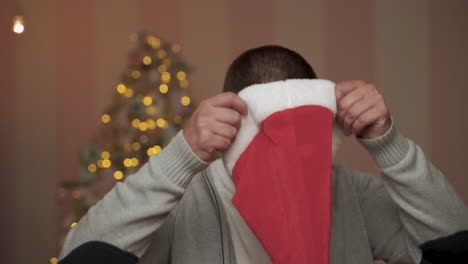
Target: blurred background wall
(58, 76)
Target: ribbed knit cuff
(178, 162)
(388, 149)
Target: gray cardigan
(169, 212)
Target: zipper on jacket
(218, 210)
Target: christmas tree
(149, 106)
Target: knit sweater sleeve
(128, 215)
(421, 199)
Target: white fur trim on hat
(265, 99)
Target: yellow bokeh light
(53, 260)
(106, 163)
(176, 48)
(147, 60)
(151, 110)
(147, 100)
(127, 147)
(150, 152)
(133, 37)
(105, 155)
(121, 88)
(178, 119)
(181, 75)
(128, 93)
(136, 74)
(151, 124)
(92, 168)
(127, 162)
(99, 164)
(118, 175)
(135, 122)
(157, 149)
(143, 126)
(161, 54)
(184, 83)
(136, 146)
(73, 224)
(162, 68)
(105, 118)
(76, 194)
(153, 42)
(185, 100)
(163, 88)
(154, 150)
(165, 77)
(167, 62)
(134, 162)
(160, 122)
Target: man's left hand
(361, 109)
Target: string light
(161, 54)
(134, 162)
(154, 150)
(162, 68)
(121, 88)
(178, 119)
(151, 110)
(18, 24)
(76, 194)
(160, 122)
(105, 155)
(99, 164)
(147, 100)
(128, 93)
(127, 162)
(184, 83)
(163, 88)
(147, 60)
(135, 122)
(106, 163)
(92, 168)
(181, 76)
(176, 48)
(185, 100)
(143, 126)
(153, 42)
(136, 74)
(118, 175)
(165, 77)
(105, 118)
(136, 146)
(151, 124)
(133, 37)
(167, 62)
(73, 224)
(54, 260)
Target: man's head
(266, 64)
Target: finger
(349, 100)
(220, 143)
(227, 115)
(224, 130)
(230, 100)
(354, 112)
(343, 88)
(365, 120)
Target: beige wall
(58, 75)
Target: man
(175, 210)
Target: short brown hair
(266, 64)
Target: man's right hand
(214, 124)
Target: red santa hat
(281, 164)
